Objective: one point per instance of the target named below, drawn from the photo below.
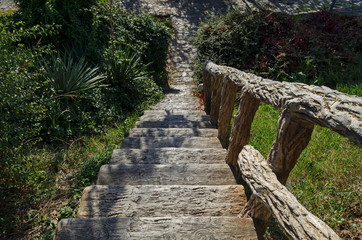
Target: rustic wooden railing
(302, 107)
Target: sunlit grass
(327, 177)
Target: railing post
(292, 138)
(228, 96)
(216, 98)
(241, 130)
(206, 79)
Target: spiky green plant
(124, 66)
(71, 77)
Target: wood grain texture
(173, 132)
(170, 174)
(242, 125)
(183, 117)
(293, 218)
(159, 201)
(319, 105)
(206, 79)
(216, 98)
(228, 96)
(292, 138)
(173, 124)
(168, 156)
(162, 228)
(174, 112)
(174, 142)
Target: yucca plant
(124, 66)
(71, 77)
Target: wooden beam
(293, 218)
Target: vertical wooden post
(241, 130)
(206, 79)
(216, 99)
(292, 138)
(228, 95)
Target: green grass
(326, 178)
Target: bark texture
(294, 219)
(216, 98)
(228, 95)
(241, 131)
(340, 112)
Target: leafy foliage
(51, 102)
(149, 36)
(70, 77)
(124, 66)
(317, 48)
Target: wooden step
(173, 124)
(177, 228)
(168, 106)
(173, 132)
(168, 156)
(174, 142)
(165, 174)
(174, 112)
(159, 201)
(177, 118)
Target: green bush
(70, 77)
(74, 16)
(149, 36)
(50, 101)
(124, 66)
(318, 48)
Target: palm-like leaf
(72, 77)
(125, 66)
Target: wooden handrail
(296, 221)
(302, 105)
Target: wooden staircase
(168, 181)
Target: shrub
(149, 36)
(317, 48)
(71, 77)
(124, 66)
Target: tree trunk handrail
(302, 106)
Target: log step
(177, 118)
(173, 132)
(170, 106)
(191, 228)
(168, 156)
(159, 201)
(174, 142)
(165, 174)
(173, 124)
(174, 112)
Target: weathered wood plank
(184, 117)
(159, 201)
(173, 124)
(173, 132)
(191, 228)
(174, 142)
(294, 219)
(158, 174)
(168, 156)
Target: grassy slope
(326, 179)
